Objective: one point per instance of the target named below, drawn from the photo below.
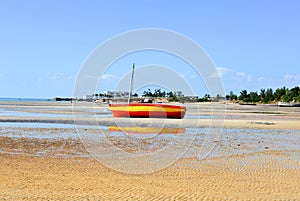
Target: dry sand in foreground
(264, 176)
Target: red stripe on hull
(147, 114)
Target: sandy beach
(198, 115)
(65, 151)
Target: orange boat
(146, 110)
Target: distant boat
(286, 104)
(146, 110)
(247, 103)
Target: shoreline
(167, 123)
(198, 115)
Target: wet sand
(198, 115)
(257, 157)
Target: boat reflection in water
(146, 130)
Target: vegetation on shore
(176, 96)
(268, 95)
(264, 96)
(158, 93)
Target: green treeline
(158, 93)
(263, 96)
(176, 96)
(268, 95)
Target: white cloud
(107, 76)
(40, 79)
(243, 76)
(219, 73)
(290, 77)
(222, 71)
(193, 77)
(226, 73)
(237, 80)
(265, 80)
(55, 77)
(96, 78)
(182, 76)
(60, 76)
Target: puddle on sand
(229, 142)
(17, 113)
(37, 130)
(195, 116)
(35, 125)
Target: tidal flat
(62, 150)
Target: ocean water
(26, 99)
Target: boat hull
(147, 110)
(286, 104)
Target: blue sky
(254, 44)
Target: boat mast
(131, 84)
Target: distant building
(87, 97)
(106, 95)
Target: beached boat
(146, 110)
(287, 104)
